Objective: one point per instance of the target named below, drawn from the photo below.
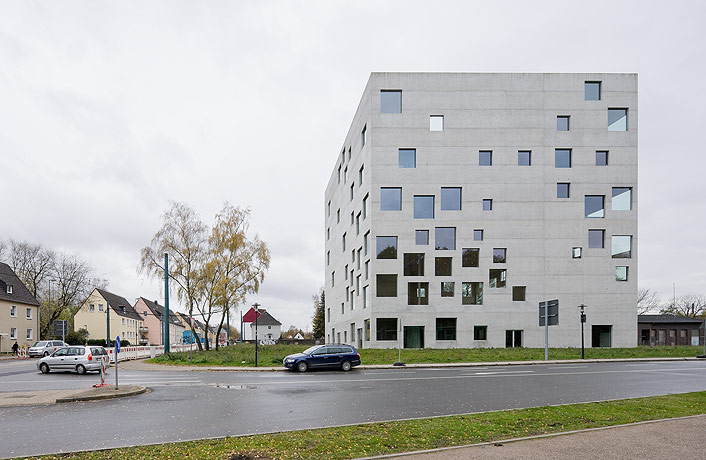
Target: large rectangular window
(562, 158)
(386, 285)
(407, 158)
(443, 266)
(592, 91)
(470, 257)
(414, 264)
(417, 293)
(497, 277)
(390, 198)
(485, 158)
(472, 293)
(421, 237)
(622, 199)
(386, 247)
(617, 119)
(390, 101)
(450, 198)
(621, 246)
(423, 206)
(596, 238)
(386, 328)
(445, 238)
(595, 206)
(445, 328)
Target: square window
(497, 277)
(499, 255)
(562, 123)
(423, 207)
(576, 253)
(621, 273)
(487, 204)
(621, 246)
(485, 158)
(445, 328)
(622, 199)
(386, 247)
(443, 266)
(390, 101)
(524, 157)
(592, 91)
(417, 293)
(480, 332)
(595, 239)
(386, 328)
(413, 264)
(595, 206)
(617, 119)
(450, 198)
(447, 288)
(436, 122)
(407, 158)
(477, 235)
(386, 285)
(470, 257)
(562, 158)
(472, 293)
(562, 190)
(601, 158)
(445, 238)
(390, 198)
(421, 237)
(518, 293)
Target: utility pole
(107, 320)
(166, 303)
(256, 305)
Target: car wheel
(81, 369)
(46, 353)
(44, 368)
(346, 366)
(302, 366)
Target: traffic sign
(553, 306)
(117, 344)
(59, 327)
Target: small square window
(443, 266)
(386, 247)
(386, 285)
(436, 122)
(390, 199)
(447, 288)
(596, 238)
(617, 119)
(592, 91)
(407, 158)
(477, 235)
(576, 252)
(562, 123)
(480, 332)
(390, 101)
(562, 158)
(621, 273)
(450, 198)
(622, 199)
(621, 246)
(413, 264)
(524, 157)
(421, 237)
(601, 158)
(594, 206)
(445, 238)
(497, 277)
(487, 204)
(562, 190)
(499, 255)
(485, 158)
(445, 328)
(472, 293)
(423, 207)
(470, 257)
(518, 293)
(417, 293)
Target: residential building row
(19, 312)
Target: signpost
(117, 350)
(549, 310)
(59, 327)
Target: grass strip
(404, 436)
(243, 354)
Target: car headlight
(288, 360)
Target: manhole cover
(236, 387)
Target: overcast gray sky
(108, 110)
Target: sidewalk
(31, 398)
(671, 438)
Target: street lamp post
(583, 320)
(49, 328)
(256, 305)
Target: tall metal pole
(583, 320)
(166, 303)
(49, 331)
(546, 331)
(107, 319)
(256, 305)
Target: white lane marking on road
(642, 364)
(568, 366)
(498, 372)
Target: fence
(127, 353)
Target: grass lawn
(272, 355)
(404, 436)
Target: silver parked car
(45, 347)
(77, 358)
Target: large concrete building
(459, 201)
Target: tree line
(690, 305)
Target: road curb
(118, 394)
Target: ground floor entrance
(601, 336)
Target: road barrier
(128, 353)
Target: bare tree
(647, 301)
(690, 305)
(183, 238)
(32, 263)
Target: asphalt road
(185, 405)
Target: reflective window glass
(390, 199)
(477, 235)
(622, 199)
(442, 266)
(485, 158)
(421, 237)
(445, 238)
(436, 122)
(621, 273)
(447, 288)
(472, 293)
(595, 207)
(499, 255)
(497, 277)
(390, 101)
(592, 91)
(450, 198)
(562, 190)
(386, 285)
(470, 257)
(417, 293)
(413, 264)
(487, 205)
(562, 158)
(595, 239)
(601, 158)
(621, 246)
(524, 158)
(576, 253)
(445, 328)
(423, 207)
(617, 119)
(518, 293)
(386, 247)
(562, 123)
(407, 158)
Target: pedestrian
(15, 347)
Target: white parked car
(45, 347)
(77, 358)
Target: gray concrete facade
(503, 114)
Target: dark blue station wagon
(342, 357)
